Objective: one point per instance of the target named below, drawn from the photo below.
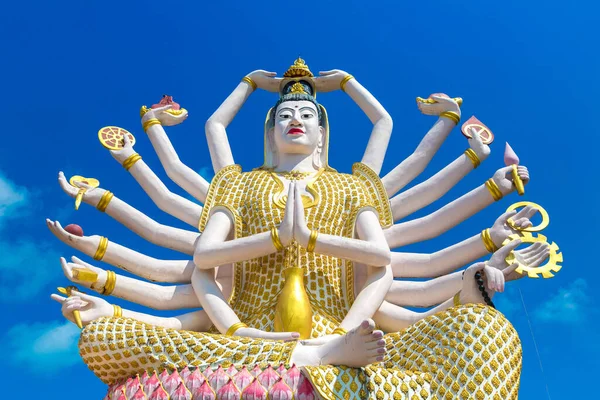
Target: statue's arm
(453, 213)
(435, 187)
(169, 202)
(382, 124)
(188, 179)
(162, 235)
(424, 293)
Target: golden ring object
(546, 270)
(94, 183)
(518, 181)
(233, 328)
(76, 314)
(111, 137)
(543, 213)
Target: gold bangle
(312, 241)
(275, 238)
(111, 282)
(149, 123)
(451, 115)
(473, 157)
(494, 189)
(101, 248)
(339, 331)
(104, 200)
(489, 244)
(117, 311)
(457, 299)
(233, 328)
(129, 161)
(250, 82)
(344, 81)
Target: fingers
(163, 108)
(522, 223)
(506, 249)
(77, 260)
(526, 212)
(299, 209)
(490, 274)
(88, 298)
(523, 173)
(528, 251)
(504, 217)
(127, 141)
(65, 185)
(510, 269)
(58, 298)
(539, 259)
(67, 270)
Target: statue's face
(296, 129)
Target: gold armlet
(312, 241)
(250, 82)
(129, 161)
(104, 200)
(489, 244)
(233, 328)
(456, 299)
(451, 115)
(344, 81)
(473, 157)
(339, 331)
(149, 123)
(117, 311)
(101, 251)
(111, 282)
(494, 189)
(275, 238)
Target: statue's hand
(91, 196)
(501, 230)
(90, 307)
(165, 118)
(494, 280)
(68, 267)
(265, 80)
(286, 228)
(301, 231)
(328, 81)
(442, 104)
(258, 334)
(122, 154)
(85, 244)
(481, 149)
(531, 256)
(504, 180)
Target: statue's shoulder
(374, 187)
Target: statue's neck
(295, 162)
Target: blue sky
(527, 69)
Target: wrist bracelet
(149, 123)
(451, 115)
(117, 311)
(102, 246)
(250, 82)
(344, 81)
(494, 189)
(339, 331)
(104, 200)
(470, 153)
(275, 239)
(129, 161)
(489, 244)
(233, 328)
(111, 282)
(312, 241)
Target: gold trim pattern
(377, 191)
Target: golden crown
(297, 88)
(298, 69)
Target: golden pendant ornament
(76, 314)
(112, 137)
(75, 179)
(533, 272)
(293, 312)
(541, 210)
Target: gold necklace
(280, 198)
(293, 175)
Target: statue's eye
(285, 116)
(307, 115)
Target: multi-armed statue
(292, 263)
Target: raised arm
(169, 202)
(455, 212)
(162, 235)
(379, 117)
(188, 179)
(415, 265)
(414, 164)
(216, 126)
(435, 187)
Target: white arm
(424, 293)
(162, 235)
(382, 124)
(169, 202)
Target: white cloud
(13, 199)
(45, 348)
(570, 304)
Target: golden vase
(293, 312)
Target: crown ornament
(297, 88)
(298, 69)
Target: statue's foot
(361, 346)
